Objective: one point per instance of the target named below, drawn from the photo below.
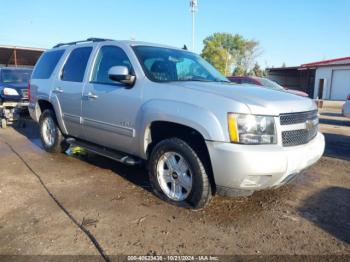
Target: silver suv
(199, 134)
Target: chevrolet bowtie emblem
(309, 125)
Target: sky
(289, 31)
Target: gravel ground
(88, 205)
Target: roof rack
(91, 39)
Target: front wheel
(3, 123)
(178, 175)
(50, 134)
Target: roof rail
(91, 39)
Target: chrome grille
(298, 136)
(296, 118)
(24, 93)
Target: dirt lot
(59, 204)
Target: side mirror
(121, 74)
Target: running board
(109, 153)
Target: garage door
(340, 84)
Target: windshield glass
(270, 84)
(166, 65)
(15, 75)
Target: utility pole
(194, 9)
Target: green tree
(239, 71)
(257, 71)
(224, 50)
(250, 53)
(216, 55)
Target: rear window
(46, 64)
(74, 69)
(12, 76)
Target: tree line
(232, 54)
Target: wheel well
(43, 105)
(161, 130)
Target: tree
(257, 71)
(216, 55)
(250, 53)
(225, 50)
(239, 71)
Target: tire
(183, 157)
(54, 141)
(3, 123)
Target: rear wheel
(50, 133)
(178, 175)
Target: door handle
(91, 95)
(57, 90)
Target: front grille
(298, 137)
(294, 137)
(24, 93)
(296, 118)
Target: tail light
(348, 98)
(29, 90)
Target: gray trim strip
(120, 130)
(71, 118)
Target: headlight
(10, 92)
(251, 129)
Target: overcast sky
(294, 32)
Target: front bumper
(13, 110)
(14, 104)
(248, 168)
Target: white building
(332, 78)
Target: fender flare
(57, 110)
(197, 118)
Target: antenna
(194, 9)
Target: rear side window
(46, 64)
(74, 69)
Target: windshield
(167, 65)
(15, 75)
(270, 84)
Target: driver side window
(109, 56)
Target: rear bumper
(248, 168)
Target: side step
(109, 153)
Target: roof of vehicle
(126, 42)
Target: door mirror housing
(121, 74)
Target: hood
(17, 86)
(259, 100)
(297, 92)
